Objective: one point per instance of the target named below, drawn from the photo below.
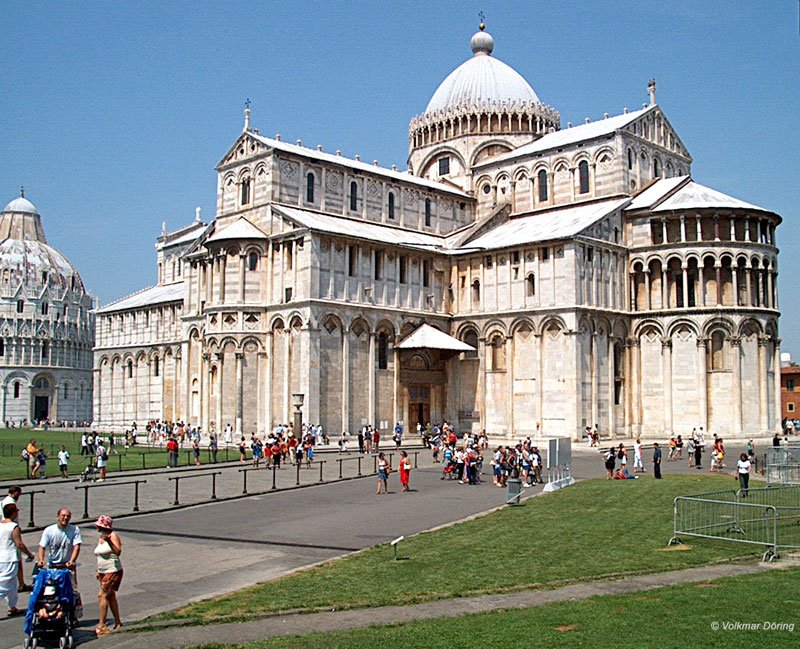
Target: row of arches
(682, 228)
(703, 280)
(432, 128)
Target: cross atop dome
(482, 41)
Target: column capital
(702, 343)
(735, 341)
(666, 343)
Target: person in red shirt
(172, 452)
(268, 455)
(405, 470)
(376, 441)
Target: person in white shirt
(63, 461)
(743, 467)
(638, 464)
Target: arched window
(130, 369)
(390, 205)
(630, 159)
(155, 366)
(583, 177)
(471, 339)
(353, 196)
(717, 351)
(252, 261)
(45, 351)
(20, 306)
(476, 292)
(656, 168)
(245, 191)
(530, 285)
(66, 390)
(498, 347)
(310, 188)
(383, 351)
(16, 389)
(2, 347)
(541, 178)
(428, 212)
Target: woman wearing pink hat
(109, 573)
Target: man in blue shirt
(62, 542)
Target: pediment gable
(645, 127)
(245, 147)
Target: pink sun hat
(105, 522)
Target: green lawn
(592, 530)
(670, 617)
(13, 440)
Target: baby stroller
(51, 614)
(91, 473)
(448, 470)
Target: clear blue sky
(113, 114)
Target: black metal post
(136, 496)
(340, 468)
(143, 460)
(214, 486)
(86, 502)
(32, 494)
(177, 482)
(119, 462)
(416, 457)
(320, 469)
(374, 463)
(359, 465)
(244, 485)
(298, 474)
(274, 467)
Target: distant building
(790, 392)
(46, 325)
(567, 277)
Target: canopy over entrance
(427, 337)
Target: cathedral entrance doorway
(419, 406)
(41, 408)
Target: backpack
(24, 455)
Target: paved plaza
(183, 554)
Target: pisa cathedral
(519, 277)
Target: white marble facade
(597, 282)
(46, 326)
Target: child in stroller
(51, 610)
(91, 472)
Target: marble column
(702, 383)
(736, 357)
(371, 380)
(220, 358)
(763, 399)
(345, 380)
(268, 345)
(239, 391)
(776, 376)
(666, 360)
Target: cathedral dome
(481, 80)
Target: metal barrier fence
(767, 517)
(783, 465)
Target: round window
(487, 188)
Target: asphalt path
(176, 557)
